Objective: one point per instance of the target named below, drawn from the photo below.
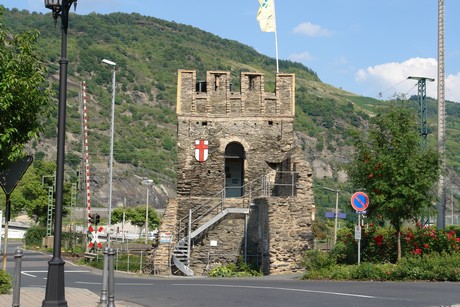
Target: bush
(379, 245)
(367, 271)
(426, 240)
(34, 236)
(433, 267)
(345, 251)
(336, 272)
(5, 282)
(239, 269)
(316, 259)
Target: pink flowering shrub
(426, 240)
(379, 245)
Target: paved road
(265, 291)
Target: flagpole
(276, 52)
(276, 40)
(266, 16)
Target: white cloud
(453, 87)
(391, 78)
(301, 57)
(309, 29)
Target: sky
(367, 47)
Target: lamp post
(112, 129)
(336, 211)
(55, 289)
(105, 270)
(148, 183)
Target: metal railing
(285, 185)
(260, 184)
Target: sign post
(359, 202)
(9, 178)
(1, 229)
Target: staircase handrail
(213, 198)
(264, 187)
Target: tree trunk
(399, 244)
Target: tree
(30, 195)
(393, 169)
(23, 92)
(136, 216)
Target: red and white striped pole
(87, 173)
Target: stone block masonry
(237, 150)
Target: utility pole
(441, 208)
(336, 214)
(421, 82)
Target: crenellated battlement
(215, 96)
(244, 188)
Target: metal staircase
(209, 213)
(181, 252)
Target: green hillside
(148, 52)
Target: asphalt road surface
(261, 291)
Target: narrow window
(217, 82)
(252, 83)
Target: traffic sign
(10, 177)
(357, 232)
(359, 201)
(331, 215)
(95, 236)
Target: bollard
(140, 264)
(111, 301)
(103, 300)
(18, 254)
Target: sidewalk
(75, 297)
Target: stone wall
(215, 97)
(264, 142)
(261, 122)
(160, 260)
(277, 229)
(280, 231)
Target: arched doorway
(234, 170)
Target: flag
(266, 15)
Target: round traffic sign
(359, 201)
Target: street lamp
(55, 289)
(112, 129)
(148, 183)
(336, 211)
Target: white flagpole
(276, 52)
(276, 40)
(266, 16)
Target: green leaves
(23, 93)
(393, 169)
(136, 216)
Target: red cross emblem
(201, 150)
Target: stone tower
(244, 189)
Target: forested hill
(148, 52)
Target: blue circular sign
(359, 201)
